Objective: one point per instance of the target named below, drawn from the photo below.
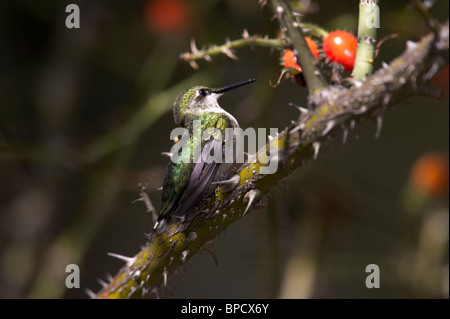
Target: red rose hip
(340, 46)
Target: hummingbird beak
(232, 86)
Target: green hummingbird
(187, 178)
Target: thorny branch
(228, 47)
(342, 109)
(337, 111)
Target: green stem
(369, 17)
(314, 30)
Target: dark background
(85, 114)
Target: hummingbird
(185, 181)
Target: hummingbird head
(198, 98)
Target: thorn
(186, 56)
(361, 110)
(251, 196)
(90, 293)
(209, 248)
(316, 146)
(229, 184)
(159, 188)
(369, 40)
(155, 291)
(109, 278)
(387, 99)
(344, 136)
(411, 45)
(184, 255)
(385, 65)
(168, 154)
(194, 47)
(207, 58)
(352, 124)
(136, 275)
(299, 127)
(328, 128)
(102, 283)
(245, 34)
(302, 109)
(193, 65)
(229, 54)
(379, 125)
(262, 3)
(128, 260)
(297, 14)
(433, 70)
(137, 200)
(164, 273)
(158, 224)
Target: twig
(228, 47)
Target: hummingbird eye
(204, 92)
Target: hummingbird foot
(251, 196)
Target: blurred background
(85, 114)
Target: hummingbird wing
(172, 192)
(178, 201)
(202, 176)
